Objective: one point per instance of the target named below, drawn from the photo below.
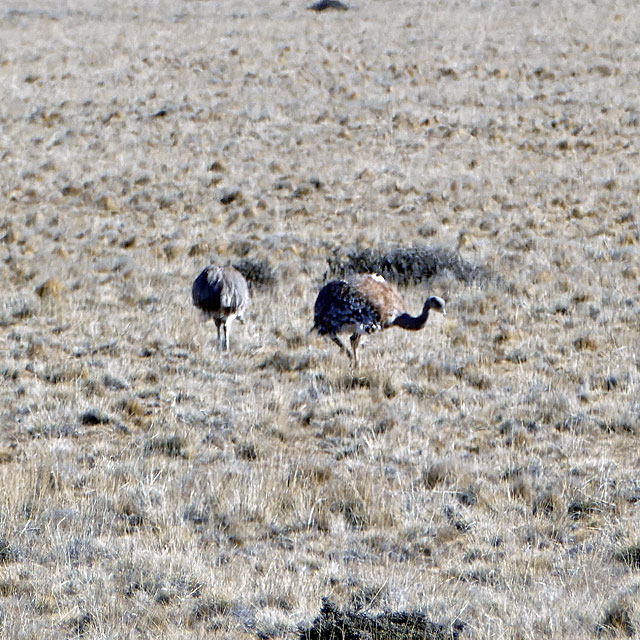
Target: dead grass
(479, 475)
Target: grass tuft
(618, 619)
(173, 445)
(630, 556)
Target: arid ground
(483, 471)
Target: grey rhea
(221, 293)
(364, 304)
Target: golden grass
(482, 470)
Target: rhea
(363, 304)
(221, 293)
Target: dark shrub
(258, 273)
(333, 624)
(403, 265)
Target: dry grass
(482, 472)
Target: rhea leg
(339, 343)
(218, 322)
(355, 339)
(227, 332)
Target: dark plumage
(363, 304)
(323, 5)
(221, 293)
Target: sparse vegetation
(478, 479)
(404, 265)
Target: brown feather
(381, 295)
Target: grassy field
(483, 471)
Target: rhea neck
(413, 323)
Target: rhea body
(364, 304)
(221, 293)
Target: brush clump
(404, 265)
(334, 623)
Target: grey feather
(221, 293)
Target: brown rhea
(364, 304)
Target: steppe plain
(483, 471)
